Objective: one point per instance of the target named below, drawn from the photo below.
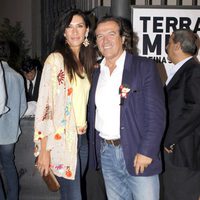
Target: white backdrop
(154, 26)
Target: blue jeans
(71, 189)
(9, 173)
(120, 185)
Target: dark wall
(50, 10)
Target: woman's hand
(43, 162)
(82, 130)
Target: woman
(60, 121)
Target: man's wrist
(170, 147)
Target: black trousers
(179, 183)
(95, 185)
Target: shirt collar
(34, 80)
(176, 67)
(119, 63)
(4, 63)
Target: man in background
(181, 178)
(9, 126)
(31, 71)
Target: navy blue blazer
(142, 115)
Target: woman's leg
(83, 154)
(71, 189)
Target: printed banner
(154, 26)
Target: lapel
(178, 74)
(127, 76)
(94, 86)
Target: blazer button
(122, 127)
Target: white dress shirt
(107, 100)
(33, 81)
(174, 69)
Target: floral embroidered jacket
(55, 118)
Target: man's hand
(141, 162)
(170, 149)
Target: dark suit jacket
(142, 116)
(34, 96)
(183, 124)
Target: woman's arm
(43, 161)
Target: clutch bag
(51, 181)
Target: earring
(123, 39)
(86, 41)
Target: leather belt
(113, 142)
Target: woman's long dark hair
(87, 55)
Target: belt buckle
(112, 142)
(115, 142)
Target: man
(181, 178)
(31, 71)
(126, 117)
(9, 127)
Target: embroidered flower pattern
(36, 149)
(68, 172)
(57, 136)
(123, 91)
(58, 133)
(61, 77)
(63, 122)
(69, 91)
(47, 113)
(59, 167)
(67, 109)
(38, 135)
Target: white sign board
(154, 26)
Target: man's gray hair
(189, 41)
